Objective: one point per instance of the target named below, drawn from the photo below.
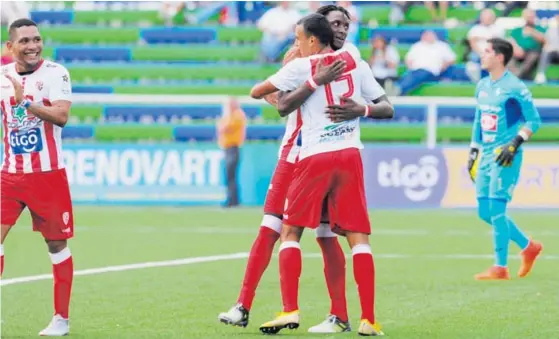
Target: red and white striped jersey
(289, 149)
(31, 144)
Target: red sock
(290, 264)
(364, 273)
(1, 259)
(258, 260)
(334, 272)
(63, 273)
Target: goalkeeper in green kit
(505, 118)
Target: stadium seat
(53, 17)
(160, 113)
(77, 132)
(406, 35)
(92, 54)
(178, 35)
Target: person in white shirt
(550, 52)
(477, 41)
(384, 60)
(277, 26)
(428, 60)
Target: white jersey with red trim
(31, 144)
(318, 133)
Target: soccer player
(36, 99)
(329, 167)
(262, 248)
(505, 118)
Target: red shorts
(46, 194)
(337, 176)
(279, 185)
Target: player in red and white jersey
(329, 167)
(261, 251)
(36, 99)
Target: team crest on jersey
(21, 120)
(39, 85)
(489, 122)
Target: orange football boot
(494, 273)
(529, 255)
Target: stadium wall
(193, 174)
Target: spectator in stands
(477, 41)
(527, 42)
(277, 26)
(506, 6)
(428, 60)
(384, 60)
(231, 130)
(353, 33)
(550, 53)
(398, 11)
(443, 6)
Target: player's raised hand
(18, 89)
(347, 110)
(327, 74)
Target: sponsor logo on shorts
(26, 141)
(489, 122)
(65, 217)
(404, 177)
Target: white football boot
(58, 327)
(236, 316)
(332, 324)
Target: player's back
(504, 106)
(31, 144)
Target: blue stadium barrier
(265, 132)
(78, 132)
(407, 35)
(163, 114)
(460, 114)
(208, 132)
(178, 35)
(93, 89)
(546, 13)
(93, 54)
(53, 17)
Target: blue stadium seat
(448, 114)
(409, 113)
(197, 133)
(160, 113)
(406, 35)
(92, 89)
(92, 53)
(77, 132)
(546, 13)
(178, 35)
(53, 17)
(265, 132)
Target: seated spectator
(527, 43)
(277, 26)
(384, 60)
(398, 11)
(506, 6)
(550, 53)
(353, 34)
(477, 41)
(428, 60)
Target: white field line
(479, 231)
(213, 258)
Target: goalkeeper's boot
(288, 320)
(368, 329)
(332, 324)
(58, 327)
(529, 255)
(236, 316)
(494, 273)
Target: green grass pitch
(425, 289)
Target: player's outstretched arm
(291, 54)
(292, 100)
(57, 113)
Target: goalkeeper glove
(506, 153)
(473, 163)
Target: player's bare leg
(290, 265)
(4, 233)
(63, 273)
(364, 273)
